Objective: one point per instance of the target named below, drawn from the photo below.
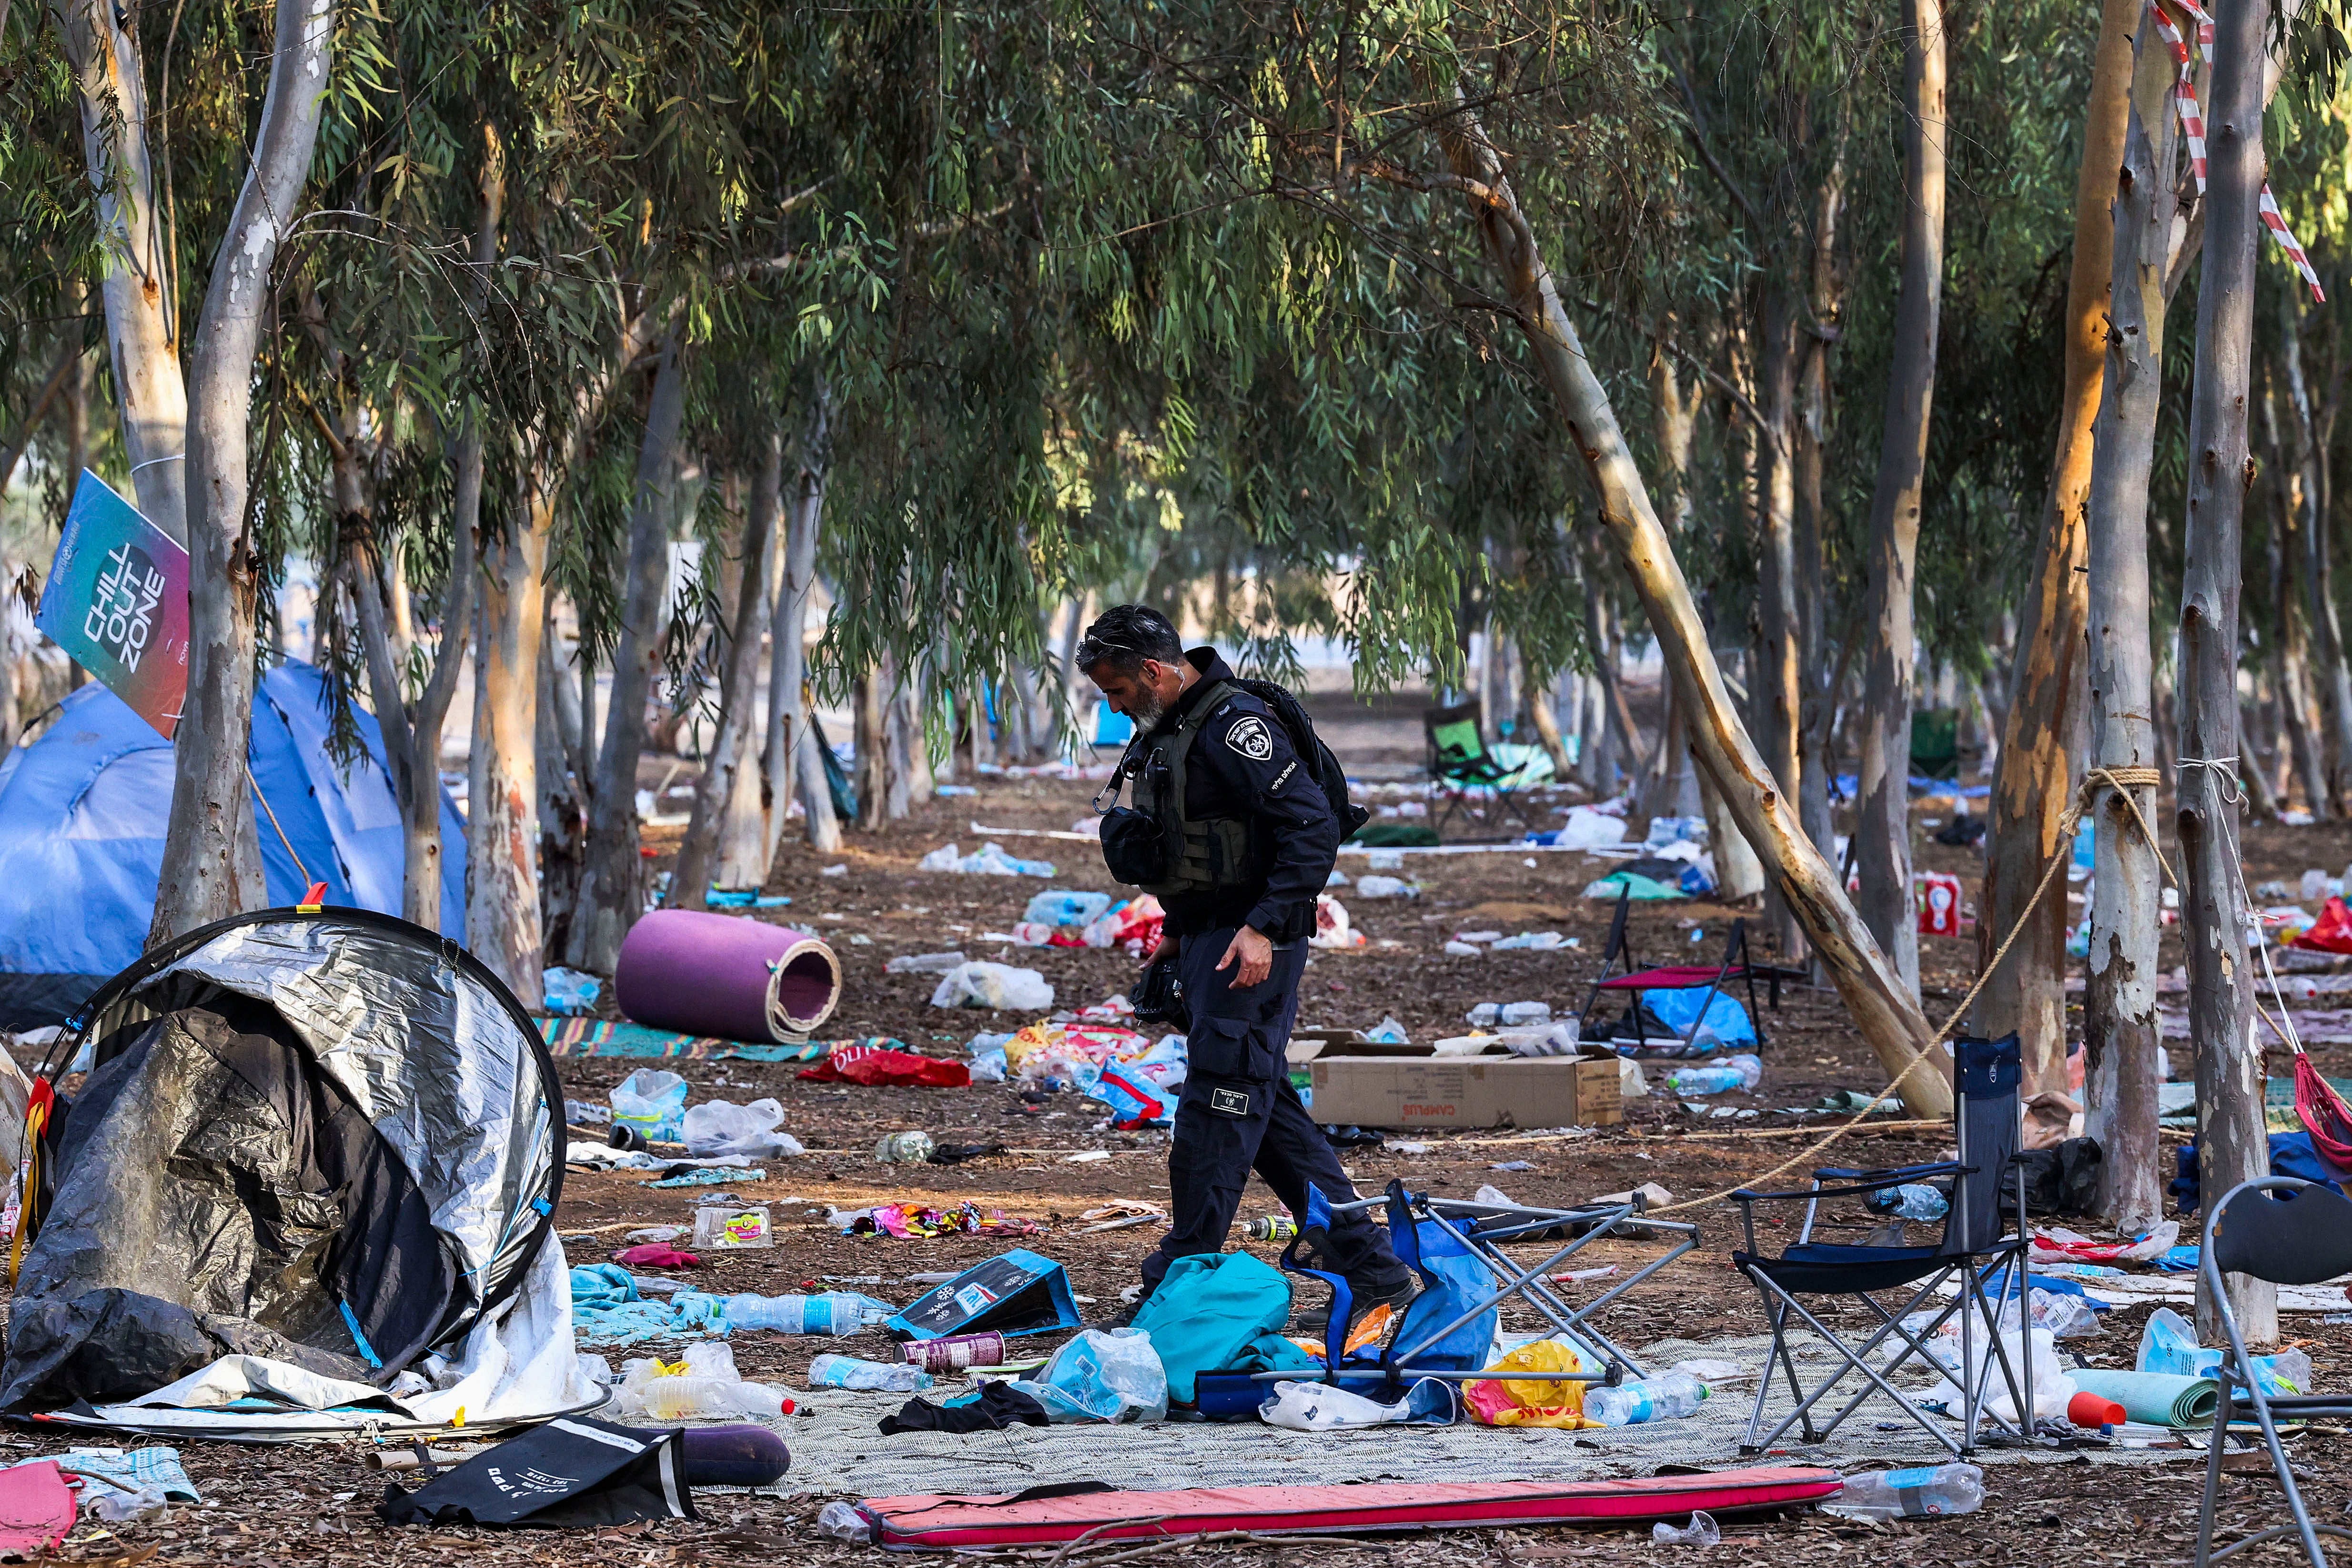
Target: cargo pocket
(1232, 1048)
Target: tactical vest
(1156, 846)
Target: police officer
(1235, 838)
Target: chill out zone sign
(117, 600)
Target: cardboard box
(1466, 1091)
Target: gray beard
(1149, 710)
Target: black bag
(1160, 995)
(1134, 849)
(571, 1471)
(2065, 1180)
(1328, 774)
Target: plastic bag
(570, 993)
(841, 1521)
(652, 1103)
(988, 860)
(1385, 887)
(1586, 828)
(1529, 1402)
(2052, 1387)
(718, 1128)
(1061, 907)
(1097, 1376)
(999, 985)
(2168, 1344)
(1319, 1407)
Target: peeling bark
(793, 762)
(733, 757)
(212, 860)
(1883, 833)
(2231, 1144)
(2120, 1030)
(611, 892)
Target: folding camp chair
(1459, 764)
(1989, 1124)
(1457, 1247)
(1737, 966)
(2288, 1232)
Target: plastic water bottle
(834, 1312)
(686, 1398)
(1918, 1199)
(849, 1371)
(1909, 1494)
(1740, 1072)
(1667, 1398)
(903, 1147)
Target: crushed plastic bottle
(1667, 1398)
(836, 1312)
(1740, 1072)
(1918, 1199)
(904, 1148)
(850, 1372)
(1933, 1489)
(1702, 1530)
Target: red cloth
(655, 1254)
(2332, 932)
(2323, 1111)
(1676, 977)
(878, 1066)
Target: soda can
(958, 1351)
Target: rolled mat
(2159, 1398)
(729, 975)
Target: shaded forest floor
(312, 1504)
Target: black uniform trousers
(1238, 1111)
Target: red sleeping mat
(940, 1523)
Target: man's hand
(1167, 949)
(1255, 955)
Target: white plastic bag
(2052, 1387)
(718, 1128)
(651, 1102)
(999, 985)
(841, 1521)
(1586, 828)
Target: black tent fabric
(328, 1139)
(572, 1473)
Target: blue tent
(82, 812)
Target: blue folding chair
(1988, 1122)
(1447, 1331)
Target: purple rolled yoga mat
(729, 975)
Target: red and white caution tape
(2193, 129)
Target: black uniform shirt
(1243, 764)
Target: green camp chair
(1936, 742)
(1459, 764)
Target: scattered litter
(743, 898)
(923, 963)
(834, 871)
(729, 1229)
(718, 1127)
(1512, 1166)
(879, 1061)
(1086, 1157)
(1463, 949)
(651, 1102)
(711, 1177)
(1372, 887)
(1702, 1530)
(1930, 1489)
(655, 1254)
(995, 986)
(990, 861)
(569, 992)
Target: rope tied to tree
(2122, 781)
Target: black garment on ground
(1243, 764)
(1238, 1111)
(1000, 1406)
(571, 1472)
(2064, 1180)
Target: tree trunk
(1809, 435)
(873, 766)
(141, 283)
(1885, 1013)
(794, 762)
(910, 755)
(2034, 778)
(733, 757)
(1884, 831)
(2314, 522)
(741, 856)
(212, 861)
(2231, 1144)
(1777, 692)
(2120, 1031)
(611, 886)
(562, 820)
(68, 368)
(1546, 727)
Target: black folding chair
(1989, 1124)
(1459, 763)
(1738, 967)
(2288, 1232)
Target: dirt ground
(312, 1504)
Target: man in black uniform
(1245, 838)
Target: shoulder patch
(1251, 738)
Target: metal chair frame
(2308, 1268)
(1482, 1229)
